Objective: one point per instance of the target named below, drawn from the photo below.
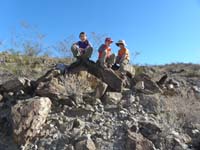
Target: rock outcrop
(86, 107)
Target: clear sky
(164, 31)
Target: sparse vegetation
(30, 66)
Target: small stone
(138, 142)
(113, 97)
(196, 89)
(86, 144)
(195, 131)
(77, 123)
(139, 85)
(170, 86)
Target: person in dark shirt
(82, 49)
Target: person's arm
(101, 48)
(122, 58)
(89, 45)
(77, 45)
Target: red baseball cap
(108, 40)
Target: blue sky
(163, 31)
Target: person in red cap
(106, 58)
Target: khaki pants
(103, 60)
(122, 64)
(76, 53)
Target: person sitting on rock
(106, 59)
(123, 55)
(82, 49)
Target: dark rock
(150, 103)
(106, 75)
(149, 86)
(150, 130)
(15, 85)
(162, 80)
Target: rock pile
(81, 110)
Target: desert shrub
(193, 73)
(181, 110)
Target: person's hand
(88, 46)
(81, 49)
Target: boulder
(100, 89)
(150, 130)
(15, 85)
(85, 144)
(106, 75)
(138, 142)
(150, 103)
(52, 89)
(148, 86)
(112, 79)
(61, 87)
(28, 117)
(193, 130)
(130, 70)
(113, 97)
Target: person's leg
(117, 60)
(75, 50)
(111, 60)
(102, 60)
(88, 53)
(123, 64)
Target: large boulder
(138, 142)
(150, 130)
(15, 85)
(130, 70)
(106, 75)
(28, 117)
(60, 87)
(151, 103)
(148, 85)
(52, 89)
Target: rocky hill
(88, 108)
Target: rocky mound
(88, 108)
